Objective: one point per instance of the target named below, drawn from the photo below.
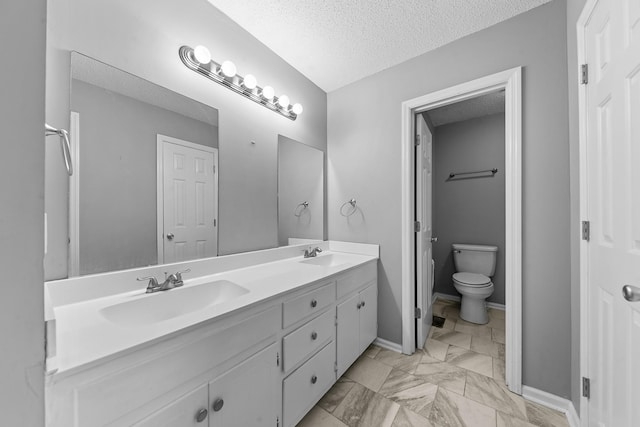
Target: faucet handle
(179, 274)
(317, 249)
(153, 282)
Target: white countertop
(84, 335)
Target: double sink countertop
(98, 327)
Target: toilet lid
(472, 278)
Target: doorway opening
(417, 238)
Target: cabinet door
(244, 396)
(183, 412)
(348, 333)
(368, 316)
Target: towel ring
(351, 202)
(297, 212)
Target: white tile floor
(457, 379)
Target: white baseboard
(447, 297)
(388, 345)
(554, 402)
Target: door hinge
(416, 226)
(417, 313)
(214, 169)
(584, 74)
(336, 320)
(335, 366)
(277, 421)
(586, 230)
(417, 141)
(215, 222)
(277, 358)
(586, 387)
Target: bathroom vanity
(251, 339)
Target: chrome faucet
(171, 281)
(310, 253)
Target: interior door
(612, 49)
(424, 274)
(189, 200)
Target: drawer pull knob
(314, 335)
(362, 303)
(314, 303)
(217, 405)
(202, 415)
(314, 379)
(359, 305)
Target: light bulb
(202, 54)
(283, 101)
(228, 68)
(297, 108)
(249, 82)
(268, 93)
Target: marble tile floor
(456, 380)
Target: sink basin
(152, 308)
(329, 260)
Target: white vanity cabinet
(264, 365)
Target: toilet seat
(472, 279)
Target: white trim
(160, 141)
(74, 196)
(447, 297)
(552, 401)
(380, 342)
(584, 207)
(511, 81)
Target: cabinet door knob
(359, 305)
(217, 405)
(362, 305)
(202, 415)
(314, 303)
(314, 335)
(314, 379)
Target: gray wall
(22, 211)
(118, 201)
(468, 210)
(146, 44)
(574, 8)
(364, 124)
(300, 178)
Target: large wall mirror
(300, 191)
(145, 191)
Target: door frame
(511, 81)
(582, 22)
(160, 141)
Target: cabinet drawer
(308, 338)
(307, 304)
(356, 278)
(306, 385)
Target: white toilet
(475, 264)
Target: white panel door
(244, 396)
(348, 333)
(184, 412)
(189, 201)
(612, 49)
(368, 316)
(424, 273)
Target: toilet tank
(479, 259)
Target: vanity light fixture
(199, 60)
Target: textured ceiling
(337, 42)
(485, 105)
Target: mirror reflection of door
(187, 200)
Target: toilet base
(474, 310)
